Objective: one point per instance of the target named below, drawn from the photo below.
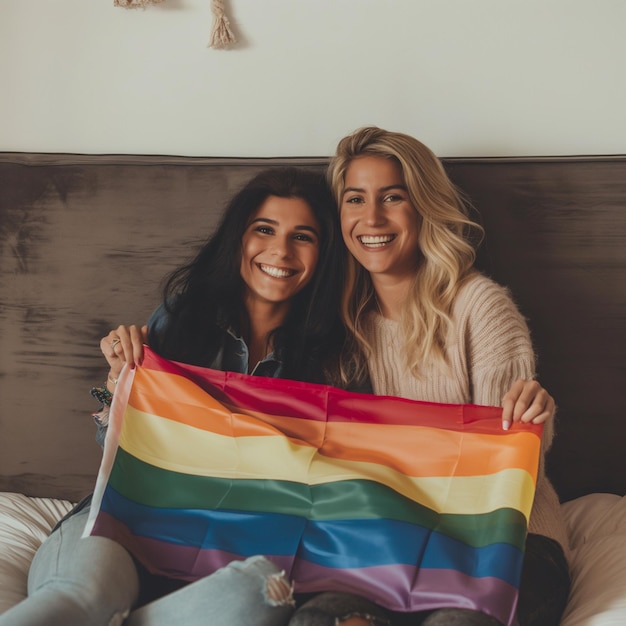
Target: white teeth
(276, 272)
(376, 241)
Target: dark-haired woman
(259, 298)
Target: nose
(374, 213)
(281, 247)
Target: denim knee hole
(279, 591)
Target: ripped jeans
(75, 581)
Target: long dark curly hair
(204, 298)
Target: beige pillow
(597, 530)
(24, 523)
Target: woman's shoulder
(478, 280)
(480, 290)
(159, 317)
(486, 313)
(483, 304)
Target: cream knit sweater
(488, 350)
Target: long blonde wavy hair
(447, 239)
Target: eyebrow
(267, 220)
(382, 189)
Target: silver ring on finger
(114, 343)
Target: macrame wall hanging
(221, 34)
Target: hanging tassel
(134, 4)
(221, 34)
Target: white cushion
(597, 528)
(24, 523)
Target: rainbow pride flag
(412, 504)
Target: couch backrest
(86, 240)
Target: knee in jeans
(276, 587)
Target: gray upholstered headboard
(86, 240)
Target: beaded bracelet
(102, 394)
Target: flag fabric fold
(415, 505)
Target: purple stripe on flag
(404, 588)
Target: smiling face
(279, 251)
(379, 224)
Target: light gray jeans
(77, 581)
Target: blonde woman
(429, 327)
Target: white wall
(468, 77)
